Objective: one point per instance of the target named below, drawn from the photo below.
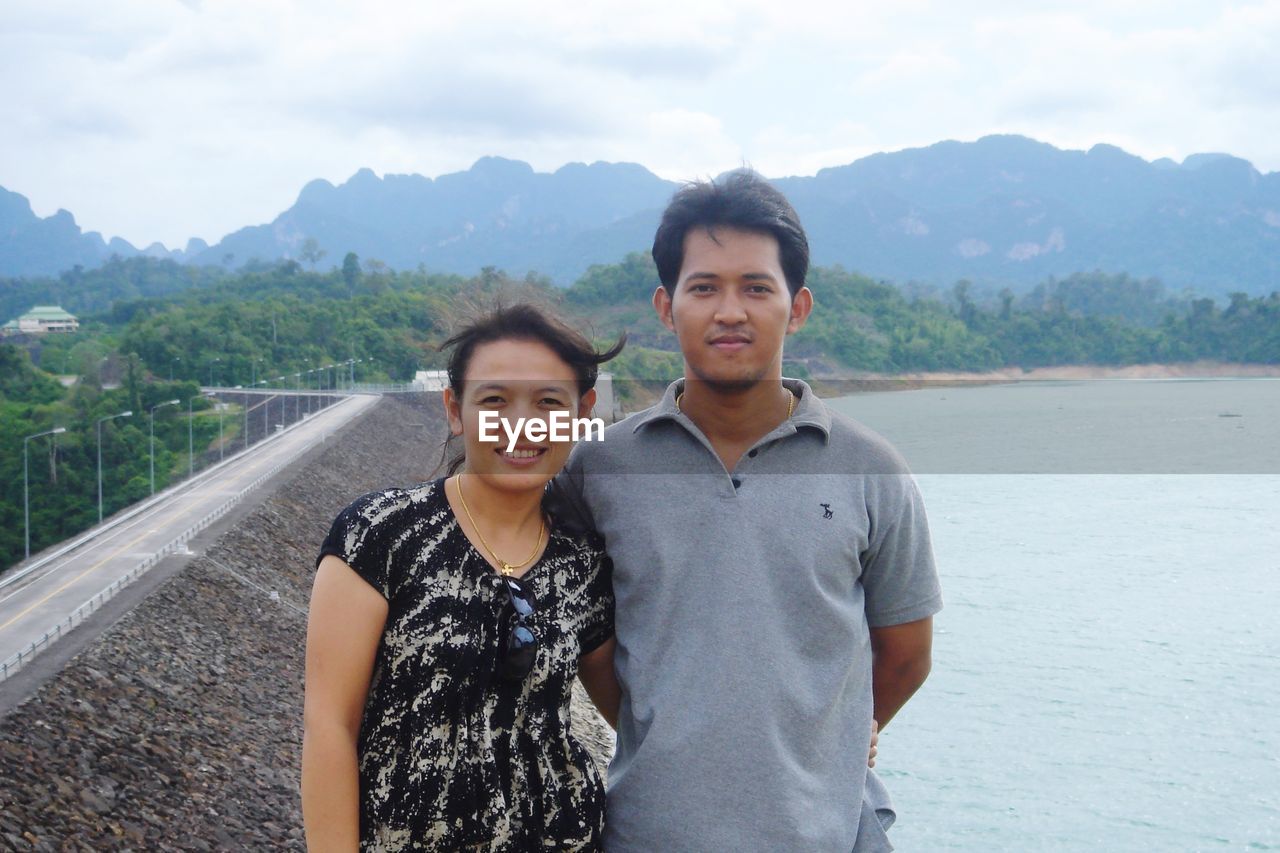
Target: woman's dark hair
(524, 321)
(743, 200)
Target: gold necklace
(507, 568)
(791, 407)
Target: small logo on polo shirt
(826, 510)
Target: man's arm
(902, 657)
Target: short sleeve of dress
(597, 622)
(359, 537)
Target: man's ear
(452, 411)
(662, 304)
(587, 403)
(801, 306)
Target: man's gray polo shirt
(743, 605)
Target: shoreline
(863, 382)
(643, 395)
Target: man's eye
(491, 400)
(554, 403)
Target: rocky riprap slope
(181, 727)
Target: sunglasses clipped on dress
(518, 645)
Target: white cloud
(167, 120)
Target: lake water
(1107, 668)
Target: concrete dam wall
(180, 725)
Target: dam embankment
(180, 726)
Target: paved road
(31, 606)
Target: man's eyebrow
(750, 276)
(490, 386)
(556, 389)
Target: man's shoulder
(850, 439)
(619, 437)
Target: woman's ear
(586, 403)
(453, 411)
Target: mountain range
(1001, 211)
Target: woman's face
(505, 381)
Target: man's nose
(730, 310)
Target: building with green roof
(42, 319)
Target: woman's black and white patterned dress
(451, 757)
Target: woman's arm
(344, 628)
(595, 669)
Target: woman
(447, 623)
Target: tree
(967, 311)
(351, 271)
(311, 252)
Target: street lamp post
(26, 508)
(247, 398)
(221, 447)
(211, 364)
(152, 433)
(191, 439)
(266, 411)
(172, 361)
(297, 396)
(98, 429)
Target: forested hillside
(154, 331)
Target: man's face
(731, 308)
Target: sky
(161, 120)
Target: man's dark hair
(743, 200)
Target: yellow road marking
(158, 516)
(94, 567)
(251, 465)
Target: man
(774, 579)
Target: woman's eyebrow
(498, 386)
